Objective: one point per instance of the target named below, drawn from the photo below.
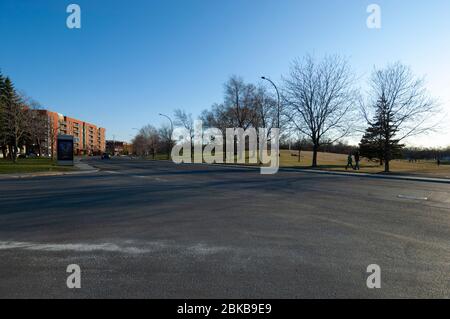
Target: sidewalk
(79, 168)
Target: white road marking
(151, 177)
(126, 247)
(412, 197)
(108, 247)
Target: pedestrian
(357, 159)
(439, 162)
(349, 161)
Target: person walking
(357, 159)
(349, 161)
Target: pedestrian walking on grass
(357, 159)
(349, 161)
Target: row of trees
(420, 153)
(20, 124)
(321, 103)
(151, 141)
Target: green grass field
(30, 166)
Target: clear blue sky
(134, 59)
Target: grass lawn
(31, 166)
(337, 162)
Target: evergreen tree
(3, 139)
(15, 118)
(379, 140)
(371, 142)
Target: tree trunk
(387, 157)
(39, 148)
(386, 166)
(315, 150)
(14, 153)
(10, 152)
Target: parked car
(105, 156)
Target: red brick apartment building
(88, 138)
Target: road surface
(141, 229)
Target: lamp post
(278, 96)
(168, 117)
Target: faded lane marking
(108, 247)
(412, 197)
(127, 247)
(158, 179)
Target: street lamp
(278, 95)
(168, 117)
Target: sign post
(65, 150)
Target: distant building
(88, 138)
(119, 148)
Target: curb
(45, 174)
(367, 175)
(83, 168)
(314, 171)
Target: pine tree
(3, 139)
(379, 140)
(15, 118)
(371, 142)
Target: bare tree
(150, 140)
(245, 105)
(38, 127)
(319, 97)
(52, 131)
(184, 120)
(265, 109)
(218, 116)
(401, 105)
(165, 133)
(239, 102)
(139, 145)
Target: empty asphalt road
(158, 230)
